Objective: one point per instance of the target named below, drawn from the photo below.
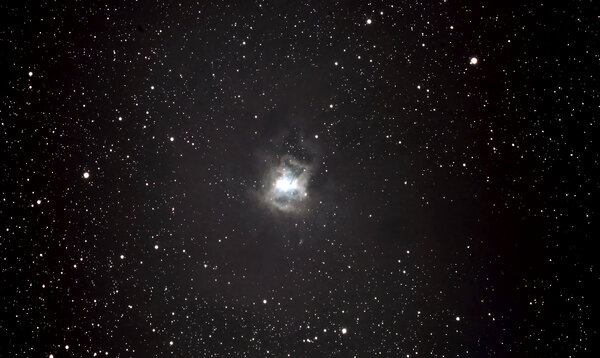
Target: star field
(287, 179)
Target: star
(286, 184)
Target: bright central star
(286, 184)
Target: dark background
(451, 206)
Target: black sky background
(450, 210)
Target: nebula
(286, 185)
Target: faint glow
(86, 175)
(474, 60)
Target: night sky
(286, 179)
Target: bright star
(287, 190)
(286, 183)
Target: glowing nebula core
(286, 185)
